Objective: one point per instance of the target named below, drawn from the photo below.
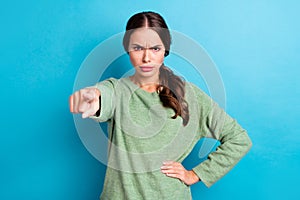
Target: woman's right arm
(97, 102)
(85, 101)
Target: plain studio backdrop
(255, 46)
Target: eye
(155, 49)
(137, 48)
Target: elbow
(250, 144)
(247, 144)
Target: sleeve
(107, 99)
(234, 143)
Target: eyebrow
(138, 45)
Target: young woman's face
(146, 52)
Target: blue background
(255, 45)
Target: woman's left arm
(235, 143)
(215, 123)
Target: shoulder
(110, 82)
(197, 99)
(122, 85)
(195, 91)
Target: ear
(166, 53)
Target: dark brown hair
(171, 87)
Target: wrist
(194, 176)
(97, 114)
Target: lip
(146, 68)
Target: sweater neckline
(136, 88)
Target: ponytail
(171, 93)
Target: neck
(149, 84)
(144, 80)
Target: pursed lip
(146, 68)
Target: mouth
(146, 68)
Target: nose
(146, 56)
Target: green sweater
(142, 135)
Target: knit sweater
(142, 135)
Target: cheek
(160, 58)
(134, 59)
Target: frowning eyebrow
(140, 46)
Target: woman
(155, 119)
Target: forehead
(145, 36)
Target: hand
(176, 170)
(85, 101)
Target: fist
(85, 101)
